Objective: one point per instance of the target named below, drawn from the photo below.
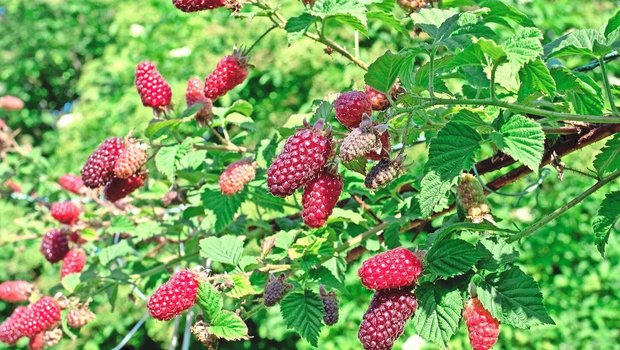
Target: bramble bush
(212, 218)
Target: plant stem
(515, 107)
(229, 148)
(492, 86)
(260, 38)
(561, 210)
(431, 73)
(610, 95)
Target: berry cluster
(275, 290)
(119, 165)
(471, 201)
(392, 274)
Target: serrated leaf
(451, 257)
(296, 27)
(224, 207)
(351, 12)
(383, 72)
(432, 190)
(438, 314)
(579, 42)
(107, 254)
(210, 300)
(357, 165)
(159, 127)
(226, 249)
(165, 161)
(391, 236)
(524, 46)
(500, 11)
(535, 77)
(389, 20)
(513, 298)
(523, 139)
(303, 312)
(120, 224)
(228, 325)
(583, 92)
(242, 107)
(499, 253)
(604, 221)
(612, 24)
(347, 215)
(608, 159)
(191, 110)
(452, 150)
(241, 286)
(70, 282)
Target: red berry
(40, 316)
(99, 167)
(230, 72)
(9, 329)
(71, 183)
(385, 318)
(11, 103)
(13, 186)
(54, 245)
(319, 199)
(120, 188)
(131, 160)
(152, 87)
(384, 138)
(378, 100)
(198, 5)
(195, 94)
(351, 107)
(73, 262)
(65, 212)
(236, 175)
(392, 269)
(304, 155)
(482, 326)
(78, 318)
(174, 296)
(37, 342)
(15, 291)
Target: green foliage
(484, 80)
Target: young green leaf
(241, 286)
(583, 92)
(608, 159)
(432, 190)
(501, 11)
(439, 312)
(296, 27)
(210, 300)
(523, 139)
(303, 312)
(226, 249)
(579, 42)
(513, 298)
(383, 72)
(228, 325)
(452, 150)
(165, 160)
(451, 257)
(535, 77)
(224, 207)
(524, 46)
(604, 221)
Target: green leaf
(579, 42)
(452, 150)
(224, 207)
(109, 253)
(500, 11)
(535, 77)
(241, 286)
(513, 298)
(438, 314)
(391, 236)
(389, 20)
(303, 312)
(120, 224)
(226, 249)
(499, 254)
(608, 159)
(383, 72)
(451, 257)
(523, 139)
(583, 92)
(432, 190)
(160, 127)
(70, 282)
(228, 325)
(437, 23)
(350, 12)
(296, 27)
(191, 110)
(165, 160)
(612, 24)
(242, 107)
(524, 46)
(210, 300)
(604, 221)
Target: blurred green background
(72, 62)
